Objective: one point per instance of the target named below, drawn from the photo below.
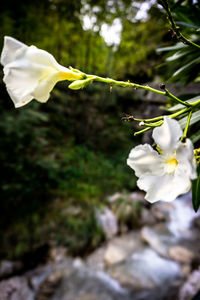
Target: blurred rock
(161, 211)
(121, 247)
(78, 263)
(186, 269)
(181, 254)
(125, 267)
(191, 287)
(159, 238)
(116, 250)
(15, 288)
(138, 197)
(181, 217)
(43, 280)
(57, 254)
(48, 286)
(146, 217)
(8, 268)
(114, 255)
(146, 271)
(108, 222)
(123, 228)
(158, 212)
(85, 284)
(95, 261)
(37, 276)
(196, 222)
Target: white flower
(167, 175)
(31, 73)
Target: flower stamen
(171, 165)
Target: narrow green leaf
(187, 66)
(196, 191)
(194, 119)
(187, 25)
(177, 55)
(171, 48)
(195, 137)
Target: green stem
(195, 103)
(187, 125)
(175, 28)
(160, 121)
(174, 115)
(178, 113)
(156, 124)
(126, 84)
(176, 99)
(142, 131)
(135, 85)
(148, 120)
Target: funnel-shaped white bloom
(167, 175)
(31, 73)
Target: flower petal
(186, 159)
(164, 188)
(41, 57)
(10, 50)
(45, 59)
(45, 86)
(167, 135)
(24, 75)
(143, 159)
(21, 78)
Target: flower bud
(79, 84)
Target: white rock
(107, 222)
(114, 255)
(190, 287)
(181, 254)
(121, 247)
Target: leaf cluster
(182, 61)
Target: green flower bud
(79, 84)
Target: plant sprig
(175, 28)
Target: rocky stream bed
(158, 261)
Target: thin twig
(175, 28)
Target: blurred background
(65, 186)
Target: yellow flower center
(60, 75)
(171, 165)
(70, 75)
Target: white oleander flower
(31, 73)
(167, 175)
